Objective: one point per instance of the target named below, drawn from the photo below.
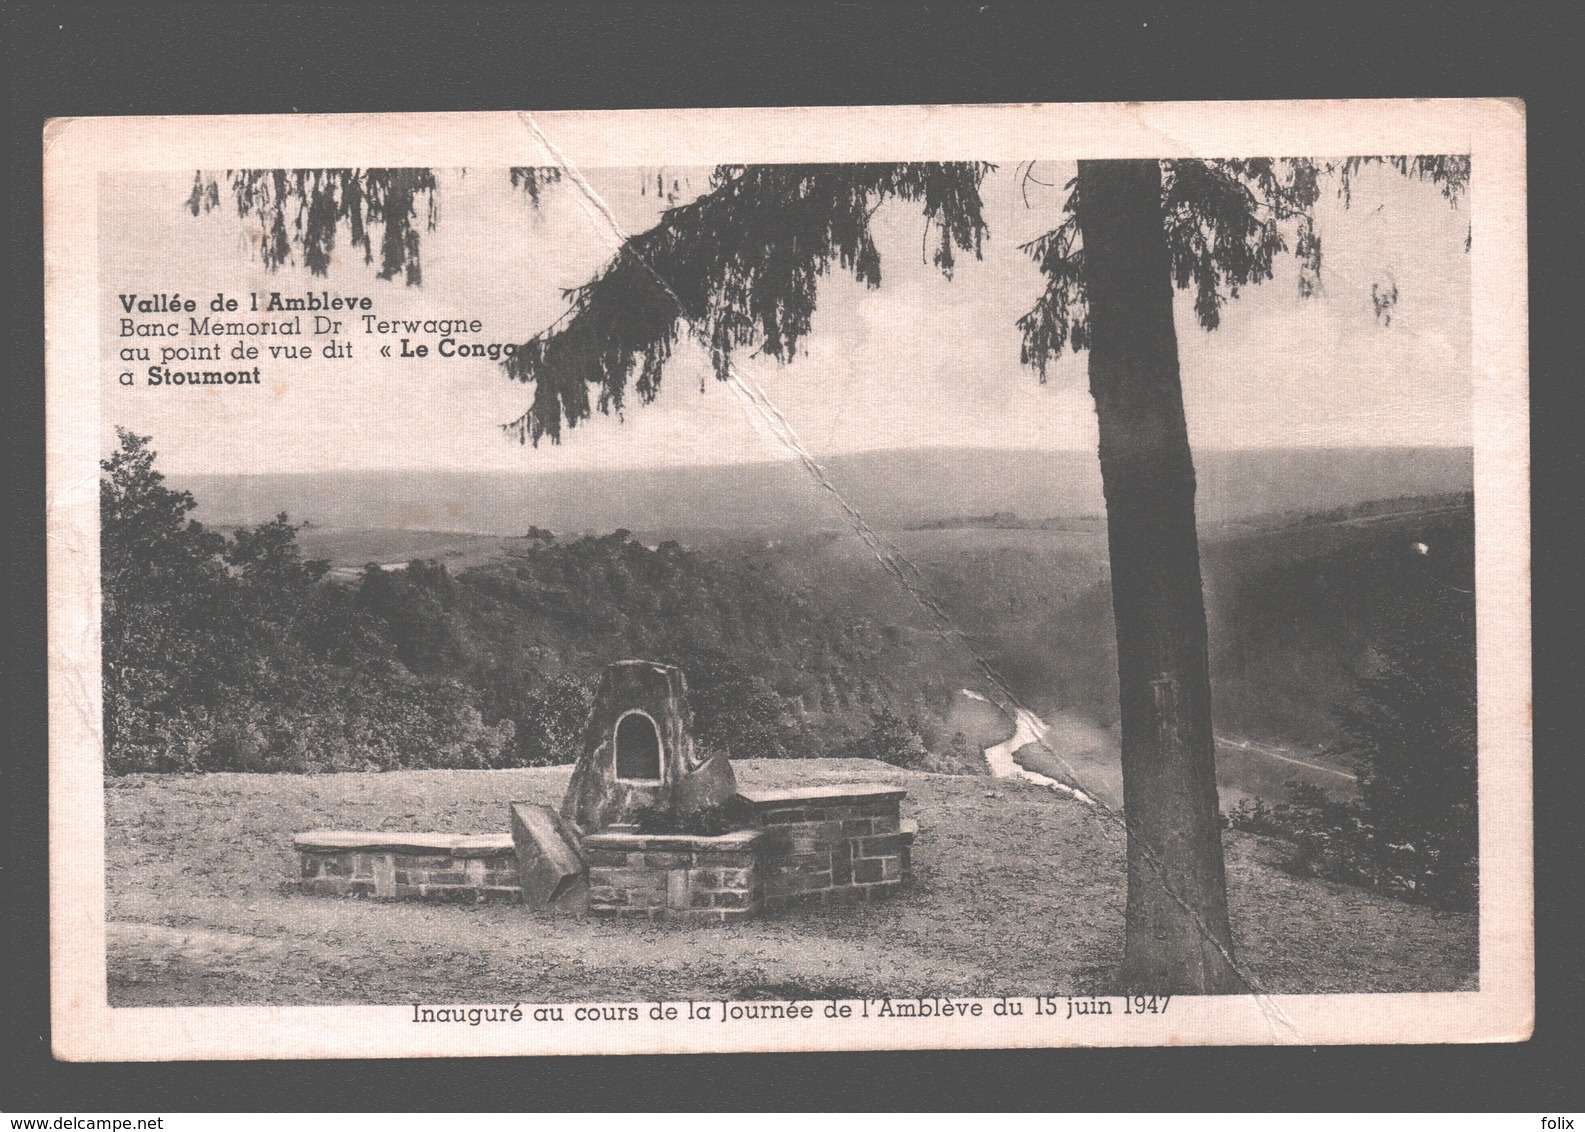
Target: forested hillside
(1292, 602)
(236, 652)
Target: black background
(268, 58)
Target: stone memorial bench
(617, 846)
(408, 866)
(844, 840)
(654, 874)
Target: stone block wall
(819, 843)
(832, 842)
(408, 866)
(654, 875)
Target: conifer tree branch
(1227, 223)
(740, 266)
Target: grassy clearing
(1018, 892)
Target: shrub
(731, 815)
(1411, 726)
(1339, 841)
(890, 739)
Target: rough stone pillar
(638, 752)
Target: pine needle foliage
(1227, 224)
(740, 266)
(533, 179)
(302, 211)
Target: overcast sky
(918, 362)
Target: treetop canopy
(741, 264)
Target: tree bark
(1177, 938)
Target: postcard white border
(77, 151)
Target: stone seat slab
(551, 871)
(835, 792)
(481, 844)
(384, 841)
(738, 839)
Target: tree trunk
(1177, 936)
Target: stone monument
(650, 826)
(639, 753)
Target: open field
(1017, 891)
(354, 548)
(890, 487)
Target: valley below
(1291, 598)
(417, 677)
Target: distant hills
(1302, 552)
(892, 489)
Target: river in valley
(1070, 754)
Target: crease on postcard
(1281, 1027)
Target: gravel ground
(1018, 891)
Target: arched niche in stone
(638, 748)
(639, 753)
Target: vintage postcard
(796, 579)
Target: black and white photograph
(911, 577)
